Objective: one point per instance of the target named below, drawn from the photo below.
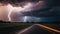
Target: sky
(36, 8)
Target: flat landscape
(12, 28)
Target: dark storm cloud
(15, 1)
(49, 2)
(52, 8)
(49, 11)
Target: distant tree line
(56, 22)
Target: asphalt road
(35, 29)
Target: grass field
(4, 25)
(11, 28)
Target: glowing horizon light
(25, 18)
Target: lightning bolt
(10, 8)
(28, 7)
(17, 9)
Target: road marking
(22, 31)
(55, 30)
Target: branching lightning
(18, 9)
(29, 6)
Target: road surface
(37, 29)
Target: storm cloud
(50, 9)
